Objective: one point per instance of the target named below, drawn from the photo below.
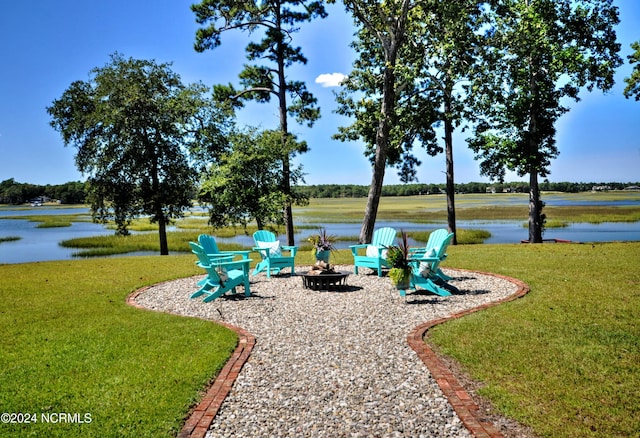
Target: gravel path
(330, 364)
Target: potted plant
(323, 244)
(398, 259)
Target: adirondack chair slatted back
(441, 251)
(375, 252)
(208, 243)
(264, 236)
(273, 254)
(436, 238)
(384, 236)
(223, 274)
(205, 262)
(426, 272)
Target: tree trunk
(535, 204)
(162, 234)
(390, 47)
(536, 219)
(451, 190)
(373, 200)
(284, 129)
(380, 161)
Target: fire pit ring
(324, 281)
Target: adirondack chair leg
(206, 287)
(247, 291)
(443, 276)
(213, 295)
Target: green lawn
(565, 359)
(70, 344)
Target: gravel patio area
(337, 363)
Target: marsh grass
(565, 359)
(433, 208)
(178, 241)
(464, 236)
(52, 221)
(71, 344)
(9, 238)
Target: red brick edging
(458, 397)
(202, 416)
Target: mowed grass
(70, 344)
(565, 359)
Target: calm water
(41, 244)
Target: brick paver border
(202, 416)
(458, 397)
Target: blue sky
(46, 45)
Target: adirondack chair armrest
(220, 257)
(355, 248)
(231, 263)
(244, 254)
(417, 251)
(293, 249)
(423, 259)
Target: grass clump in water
(9, 239)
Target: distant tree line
(74, 192)
(15, 193)
(361, 191)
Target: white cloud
(330, 79)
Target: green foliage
(565, 359)
(356, 191)
(535, 57)
(398, 254)
(12, 192)
(9, 238)
(133, 123)
(70, 344)
(381, 72)
(246, 183)
(278, 21)
(633, 82)
(381, 92)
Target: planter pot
(401, 279)
(404, 284)
(323, 256)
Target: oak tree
(133, 123)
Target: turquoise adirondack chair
(270, 251)
(223, 274)
(425, 268)
(436, 238)
(210, 246)
(375, 252)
